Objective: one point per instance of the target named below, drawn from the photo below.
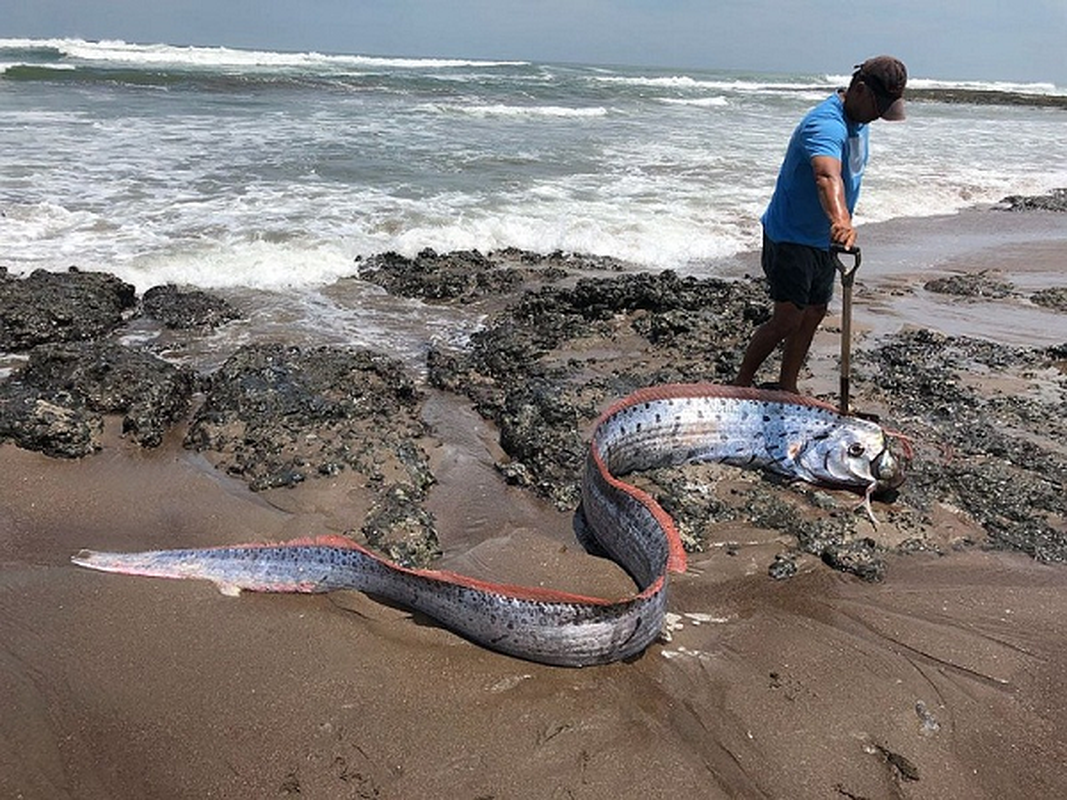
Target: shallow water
(219, 168)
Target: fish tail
(305, 566)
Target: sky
(985, 40)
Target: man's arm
(832, 197)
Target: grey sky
(957, 39)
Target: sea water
(223, 168)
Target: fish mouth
(888, 471)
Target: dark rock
(860, 557)
(1056, 200)
(181, 310)
(558, 263)
(970, 285)
(1005, 465)
(114, 379)
(401, 528)
(73, 384)
(462, 275)
(56, 424)
(60, 307)
(782, 568)
(1054, 298)
(525, 370)
(276, 415)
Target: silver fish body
(539, 625)
(660, 426)
(791, 435)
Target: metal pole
(848, 276)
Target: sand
(946, 680)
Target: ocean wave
(737, 85)
(208, 175)
(699, 102)
(935, 84)
(503, 110)
(120, 52)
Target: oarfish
(794, 436)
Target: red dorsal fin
(325, 540)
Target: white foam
(503, 110)
(698, 102)
(1035, 88)
(257, 265)
(118, 51)
(738, 85)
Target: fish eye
(856, 449)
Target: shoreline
(822, 684)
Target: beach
(944, 678)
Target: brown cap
(886, 77)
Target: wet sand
(948, 679)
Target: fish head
(853, 452)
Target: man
(811, 209)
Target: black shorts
(798, 273)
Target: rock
(782, 568)
(461, 275)
(970, 285)
(401, 528)
(860, 557)
(60, 307)
(56, 424)
(1056, 200)
(525, 370)
(1054, 298)
(276, 415)
(181, 310)
(88, 379)
(1006, 470)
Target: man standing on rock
(811, 209)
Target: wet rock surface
(269, 401)
(55, 403)
(1056, 200)
(993, 448)
(980, 284)
(469, 275)
(276, 415)
(430, 276)
(1054, 298)
(184, 309)
(60, 307)
(544, 368)
(54, 423)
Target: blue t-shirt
(794, 213)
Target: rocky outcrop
(1056, 200)
(276, 415)
(185, 309)
(56, 402)
(60, 307)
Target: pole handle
(848, 273)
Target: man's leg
(786, 320)
(797, 345)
